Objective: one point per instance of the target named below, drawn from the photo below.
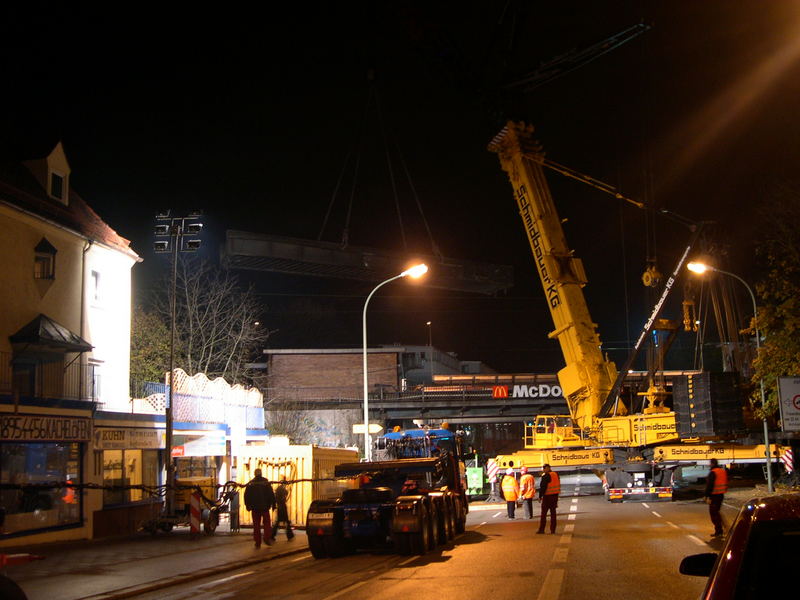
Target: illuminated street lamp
(700, 268)
(414, 272)
(174, 234)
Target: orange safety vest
(527, 487)
(554, 485)
(69, 495)
(720, 481)
(510, 488)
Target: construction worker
(281, 499)
(716, 486)
(259, 499)
(527, 491)
(510, 491)
(549, 489)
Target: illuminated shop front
(38, 449)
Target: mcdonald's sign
(499, 391)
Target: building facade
(64, 347)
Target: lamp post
(173, 231)
(700, 268)
(414, 272)
(430, 348)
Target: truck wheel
(317, 546)
(433, 528)
(450, 521)
(335, 546)
(461, 517)
(402, 543)
(420, 540)
(443, 523)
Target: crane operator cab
(552, 431)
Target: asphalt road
(600, 550)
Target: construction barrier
(194, 512)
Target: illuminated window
(44, 262)
(96, 286)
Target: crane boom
(588, 377)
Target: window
(44, 262)
(123, 468)
(57, 185)
(96, 286)
(28, 507)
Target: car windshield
(769, 564)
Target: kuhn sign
(542, 390)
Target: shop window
(197, 466)
(30, 508)
(125, 468)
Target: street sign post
(373, 428)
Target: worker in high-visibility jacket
(716, 486)
(527, 491)
(549, 489)
(510, 491)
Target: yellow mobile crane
(599, 432)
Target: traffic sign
(789, 396)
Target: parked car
(759, 557)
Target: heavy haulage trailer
(409, 504)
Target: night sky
(250, 115)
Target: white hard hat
(509, 471)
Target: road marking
(696, 540)
(300, 558)
(484, 523)
(566, 538)
(560, 555)
(655, 513)
(551, 588)
(344, 591)
(571, 517)
(645, 504)
(569, 528)
(223, 580)
(408, 560)
(671, 524)
(495, 515)
(573, 508)
(574, 500)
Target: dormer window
(57, 186)
(44, 262)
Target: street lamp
(700, 268)
(414, 272)
(178, 234)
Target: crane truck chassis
(410, 504)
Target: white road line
(560, 554)
(495, 515)
(300, 558)
(484, 523)
(566, 538)
(645, 504)
(223, 580)
(574, 500)
(346, 590)
(573, 508)
(571, 517)
(655, 513)
(696, 540)
(671, 524)
(551, 588)
(569, 528)
(406, 561)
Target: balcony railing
(50, 380)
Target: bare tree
(217, 321)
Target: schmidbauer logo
(499, 391)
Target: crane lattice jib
(588, 376)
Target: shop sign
(206, 445)
(133, 438)
(44, 428)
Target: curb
(166, 582)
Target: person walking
(281, 498)
(259, 499)
(549, 489)
(716, 486)
(510, 491)
(527, 491)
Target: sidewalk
(123, 567)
